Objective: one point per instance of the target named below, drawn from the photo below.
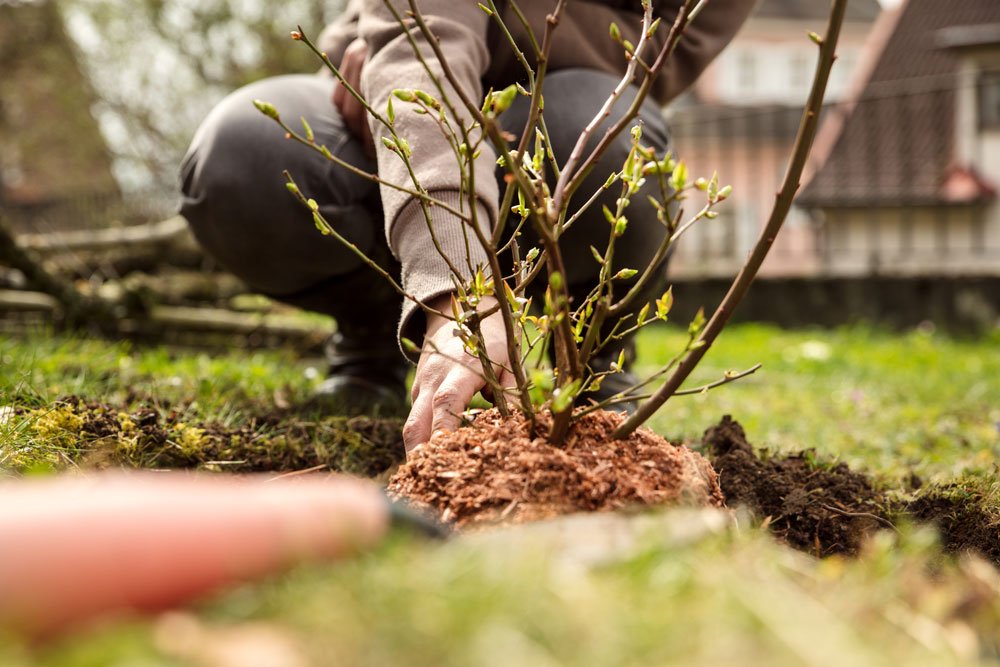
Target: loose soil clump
(822, 510)
(497, 470)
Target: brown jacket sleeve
(460, 26)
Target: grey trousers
(235, 200)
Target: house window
(989, 100)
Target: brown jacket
(476, 55)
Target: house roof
(896, 140)
(857, 10)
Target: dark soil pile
(496, 470)
(820, 510)
(827, 509)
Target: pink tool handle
(72, 549)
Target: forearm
(461, 28)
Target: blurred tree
(50, 146)
(160, 65)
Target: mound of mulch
(496, 469)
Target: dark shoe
(365, 377)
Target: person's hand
(448, 377)
(353, 113)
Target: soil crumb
(496, 470)
(820, 509)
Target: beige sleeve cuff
(425, 273)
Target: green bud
(679, 178)
(309, 131)
(502, 100)
(625, 274)
(615, 32)
(556, 280)
(404, 95)
(267, 109)
(643, 313)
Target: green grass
(892, 404)
(889, 403)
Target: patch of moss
(91, 434)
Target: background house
(910, 183)
(741, 119)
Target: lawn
(902, 407)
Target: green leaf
(389, 111)
(321, 224)
(608, 215)
(679, 178)
(596, 255)
(664, 304)
(698, 323)
(652, 28)
(408, 344)
(562, 398)
(640, 319)
(501, 100)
